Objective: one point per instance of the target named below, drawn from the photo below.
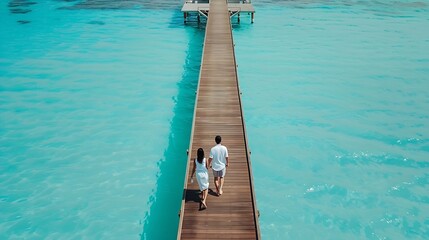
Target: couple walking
(218, 161)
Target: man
(218, 161)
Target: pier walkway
(201, 8)
(218, 111)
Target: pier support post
(253, 17)
(184, 16)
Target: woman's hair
(200, 155)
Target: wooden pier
(218, 111)
(200, 8)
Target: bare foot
(217, 191)
(204, 205)
(220, 192)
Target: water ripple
(363, 158)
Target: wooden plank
(218, 111)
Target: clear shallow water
(94, 130)
(336, 104)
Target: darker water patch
(161, 221)
(386, 8)
(97, 22)
(125, 4)
(23, 21)
(20, 6)
(20, 3)
(20, 11)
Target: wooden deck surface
(218, 111)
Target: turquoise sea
(97, 97)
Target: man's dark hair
(218, 139)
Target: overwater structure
(200, 8)
(218, 111)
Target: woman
(200, 166)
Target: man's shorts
(220, 173)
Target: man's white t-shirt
(218, 153)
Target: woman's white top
(201, 166)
